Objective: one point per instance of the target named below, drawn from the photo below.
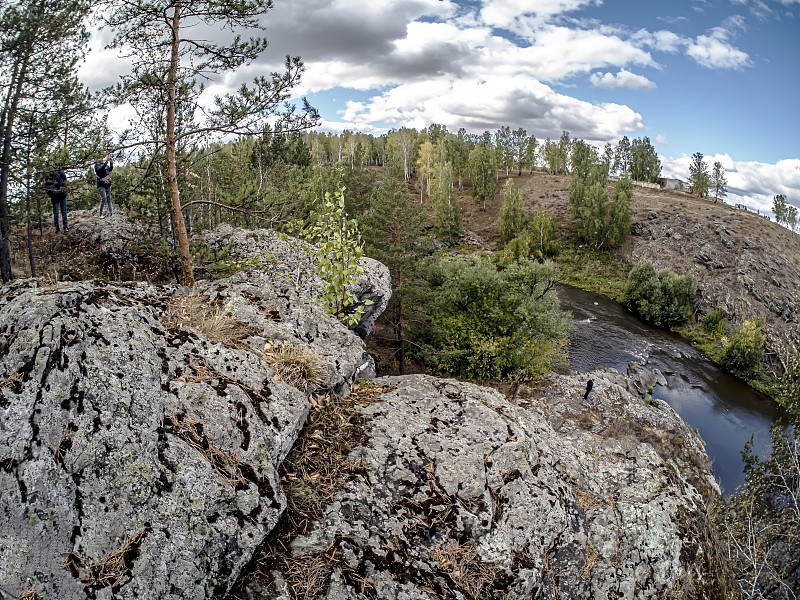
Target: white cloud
(561, 52)
(623, 79)
(715, 52)
(507, 13)
(102, 67)
(491, 103)
(751, 183)
(662, 40)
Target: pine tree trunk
(9, 113)
(172, 173)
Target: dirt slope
(743, 263)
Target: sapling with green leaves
(338, 249)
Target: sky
(719, 77)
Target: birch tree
(719, 182)
(401, 147)
(482, 172)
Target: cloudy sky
(718, 77)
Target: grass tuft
(295, 365)
(191, 310)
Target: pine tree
(645, 165)
(393, 234)
(168, 63)
(41, 43)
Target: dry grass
(312, 475)
(463, 565)
(307, 576)
(196, 311)
(11, 379)
(587, 500)
(295, 365)
(110, 571)
(589, 563)
(29, 595)
(227, 466)
(64, 444)
(317, 468)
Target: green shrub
(744, 349)
(491, 322)
(662, 299)
(716, 323)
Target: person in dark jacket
(103, 172)
(589, 386)
(58, 195)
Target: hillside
(743, 263)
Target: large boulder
(141, 430)
(292, 260)
(462, 493)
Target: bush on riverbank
(744, 348)
(491, 322)
(662, 299)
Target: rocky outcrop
(641, 381)
(465, 494)
(743, 263)
(141, 430)
(292, 260)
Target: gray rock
(641, 380)
(281, 257)
(465, 494)
(709, 258)
(138, 456)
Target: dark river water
(725, 411)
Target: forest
(254, 159)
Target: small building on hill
(667, 183)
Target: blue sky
(718, 77)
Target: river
(725, 411)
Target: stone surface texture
(465, 494)
(139, 459)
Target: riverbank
(605, 273)
(725, 411)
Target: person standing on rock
(58, 196)
(103, 172)
(589, 386)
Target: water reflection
(725, 411)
